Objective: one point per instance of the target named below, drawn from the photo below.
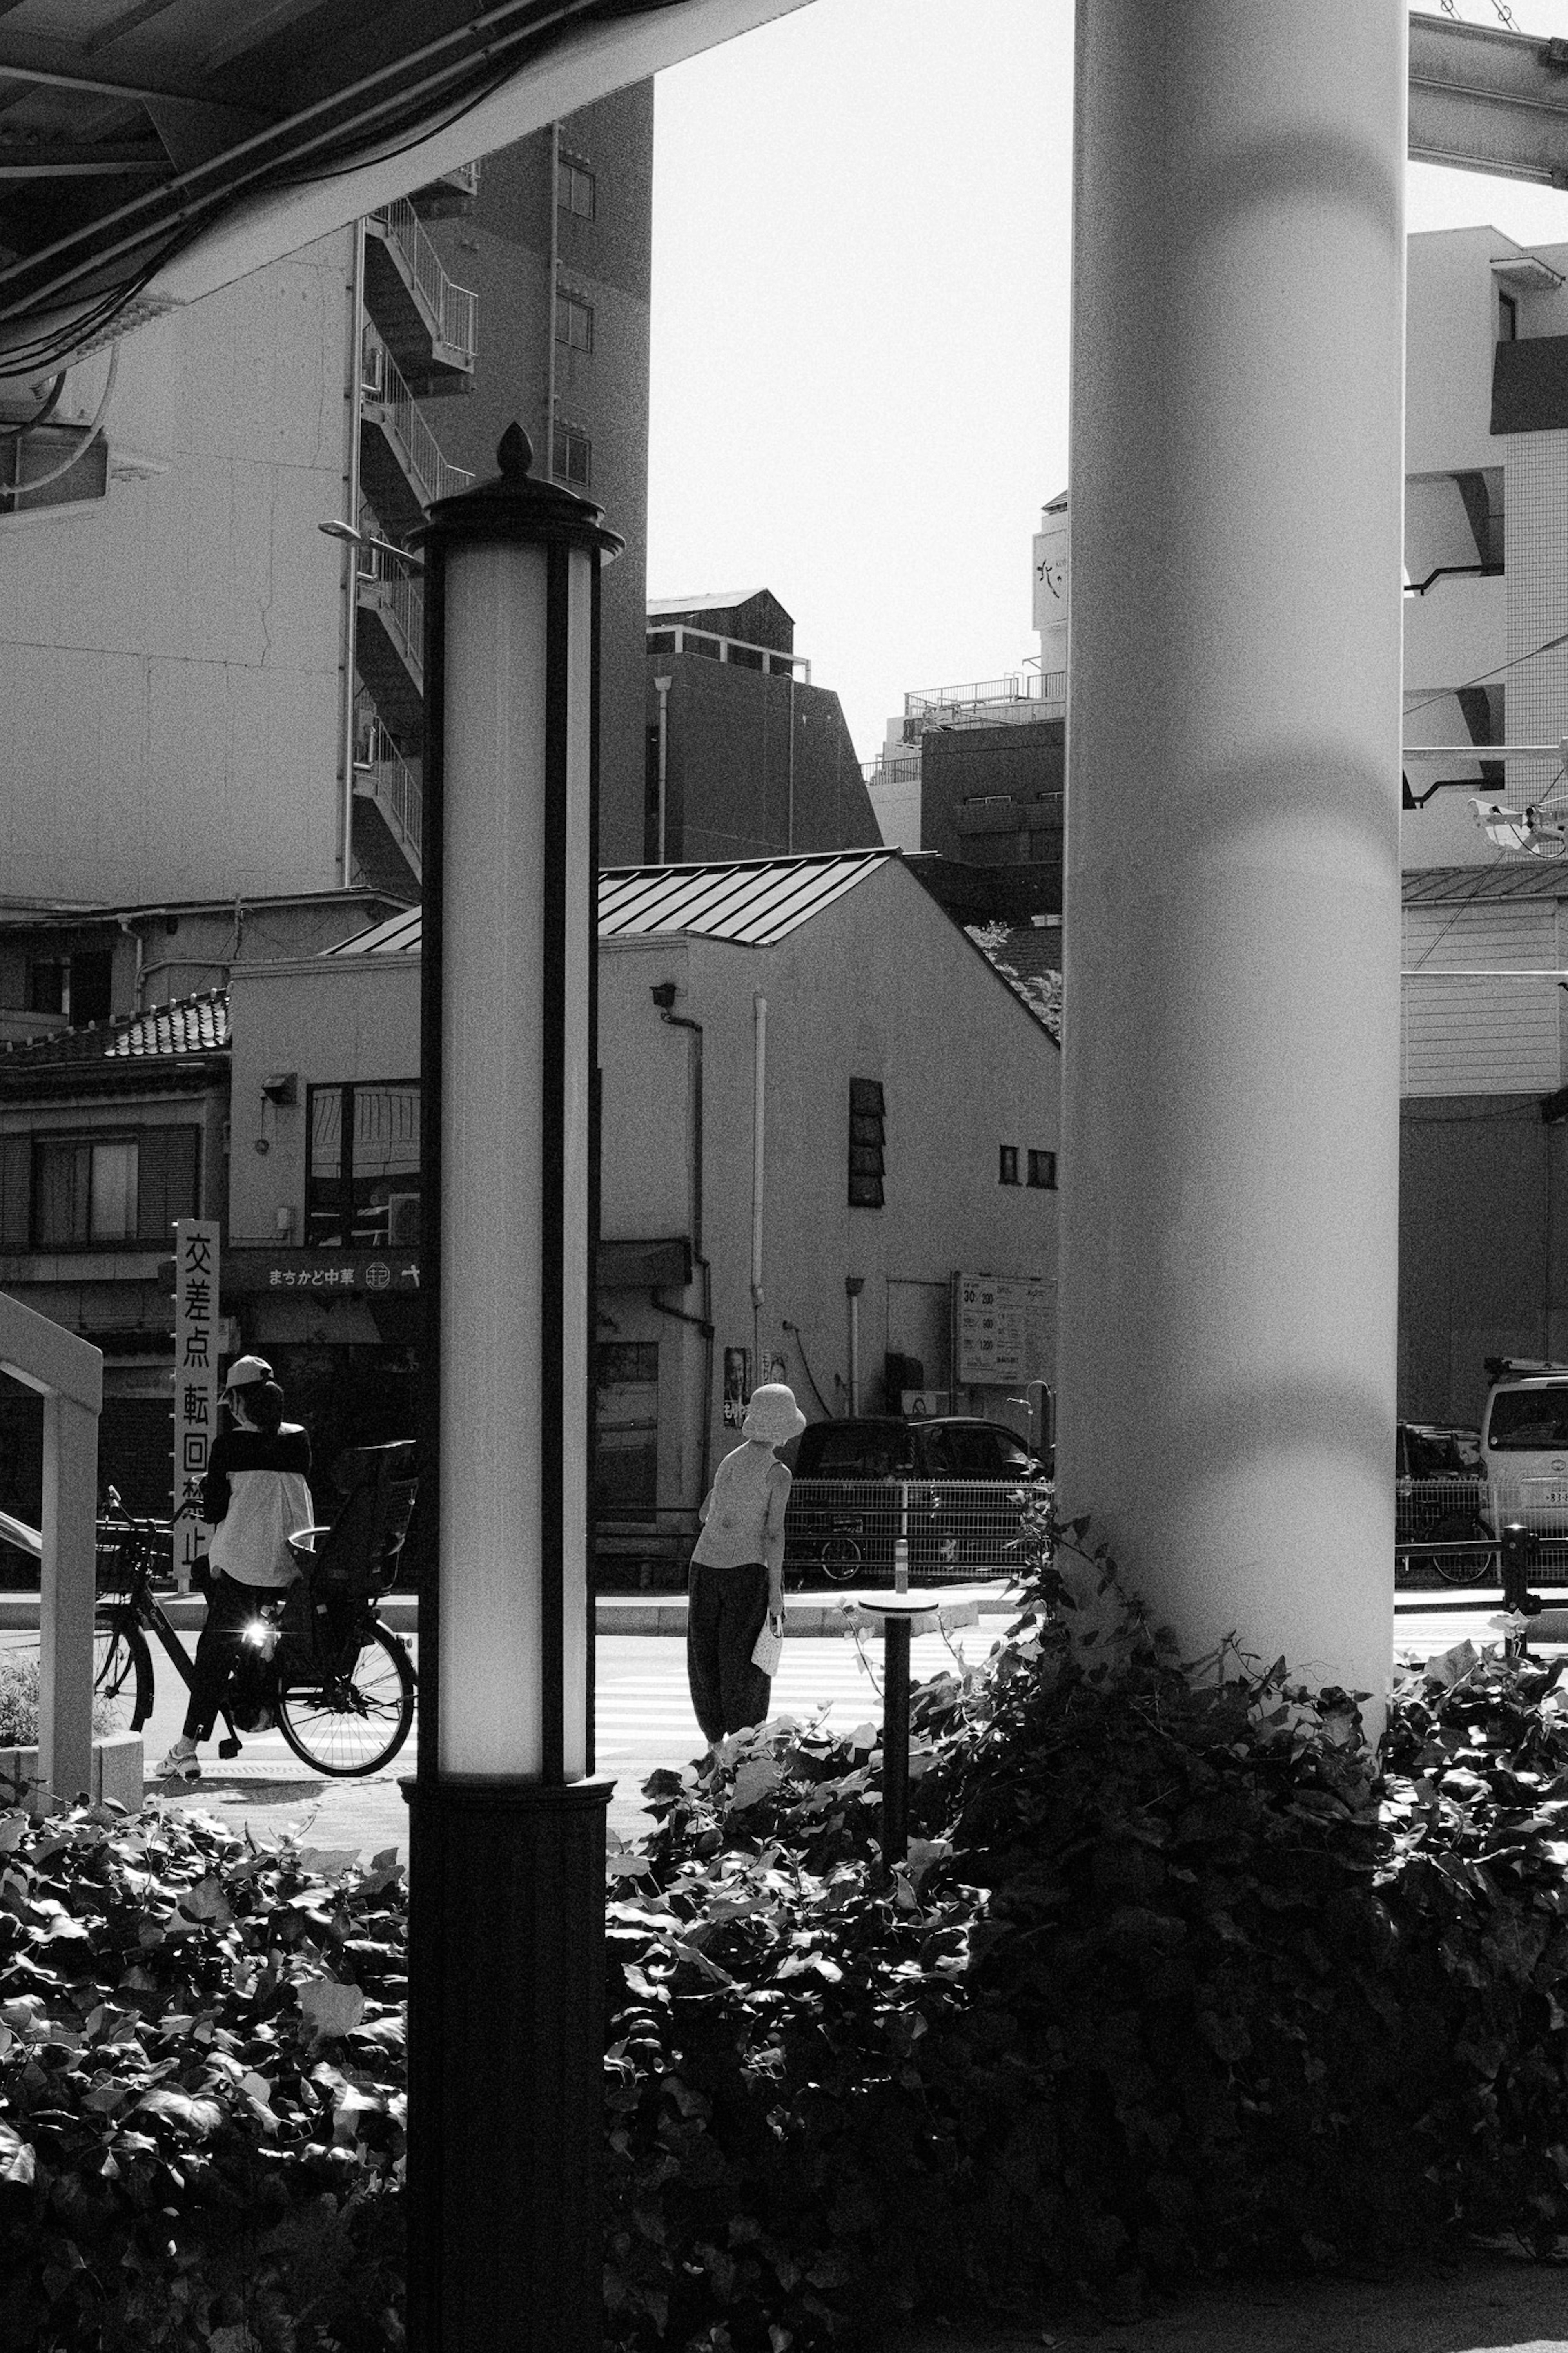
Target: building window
(1043, 1171)
(79, 1192)
(1007, 1165)
(362, 1184)
(31, 465)
(625, 1426)
(77, 985)
(1506, 319)
(573, 457)
(574, 322)
(867, 1143)
(576, 190)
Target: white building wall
(169, 654)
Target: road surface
(643, 1721)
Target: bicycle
(340, 1684)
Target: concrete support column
(1230, 1126)
(68, 1592)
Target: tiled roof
(751, 902)
(192, 1025)
(1426, 886)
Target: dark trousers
(230, 1608)
(725, 1613)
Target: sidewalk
(1503, 2306)
(613, 1613)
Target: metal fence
(853, 1531)
(1439, 1529)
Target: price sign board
(195, 1381)
(1003, 1326)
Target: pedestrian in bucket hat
(734, 1614)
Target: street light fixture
(506, 1818)
(345, 531)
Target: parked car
(946, 1484)
(1524, 1448)
(1440, 1495)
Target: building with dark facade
(744, 756)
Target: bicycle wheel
(840, 1559)
(121, 1674)
(1477, 1567)
(355, 1721)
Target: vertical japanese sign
(195, 1381)
(737, 1385)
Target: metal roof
(1461, 885)
(751, 902)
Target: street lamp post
(506, 1820)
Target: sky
(861, 297)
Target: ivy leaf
(17, 2159)
(200, 2118)
(332, 2009)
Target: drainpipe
(351, 562)
(549, 321)
(759, 1103)
(133, 934)
(854, 1285)
(679, 1021)
(661, 688)
(789, 823)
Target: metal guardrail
(397, 792)
(852, 1531)
(398, 596)
(433, 475)
(453, 306)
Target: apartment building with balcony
(200, 694)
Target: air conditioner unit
(403, 1220)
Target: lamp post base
(506, 2046)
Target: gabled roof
(710, 601)
(751, 901)
(190, 1026)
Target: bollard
(1520, 1550)
(897, 1612)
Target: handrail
(399, 795)
(669, 636)
(453, 306)
(433, 476)
(17, 1533)
(397, 592)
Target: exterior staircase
(427, 321)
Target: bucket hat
(246, 1371)
(774, 1415)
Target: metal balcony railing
(453, 307)
(399, 600)
(892, 772)
(667, 637)
(432, 476)
(986, 702)
(388, 779)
